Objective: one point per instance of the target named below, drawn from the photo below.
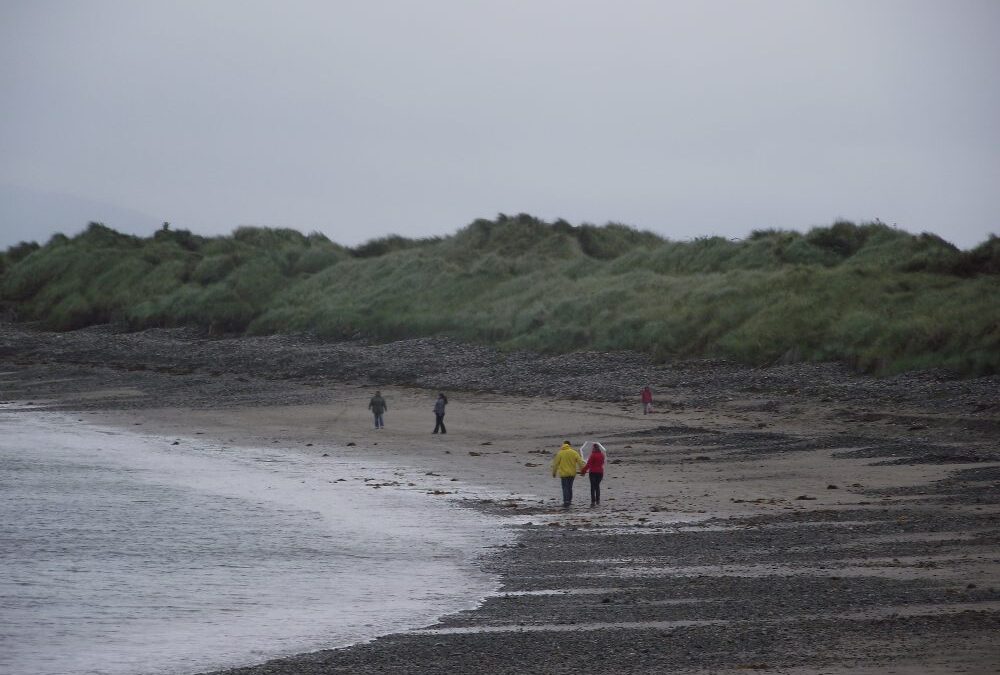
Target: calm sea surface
(123, 553)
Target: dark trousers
(439, 423)
(595, 487)
(567, 487)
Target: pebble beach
(791, 518)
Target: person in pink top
(595, 467)
(647, 400)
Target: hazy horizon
(364, 119)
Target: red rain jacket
(595, 463)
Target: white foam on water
(122, 553)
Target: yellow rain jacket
(567, 462)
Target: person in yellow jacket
(566, 464)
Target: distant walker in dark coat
(439, 405)
(378, 406)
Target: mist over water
(122, 553)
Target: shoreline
(799, 519)
(276, 574)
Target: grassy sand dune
(876, 297)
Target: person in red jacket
(595, 467)
(647, 400)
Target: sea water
(126, 553)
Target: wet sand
(752, 529)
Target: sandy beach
(792, 519)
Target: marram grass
(878, 298)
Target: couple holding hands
(569, 461)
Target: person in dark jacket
(595, 466)
(439, 405)
(378, 406)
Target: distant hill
(876, 297)
(34, 215)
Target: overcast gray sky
(362, 119)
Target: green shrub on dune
(870, 295)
